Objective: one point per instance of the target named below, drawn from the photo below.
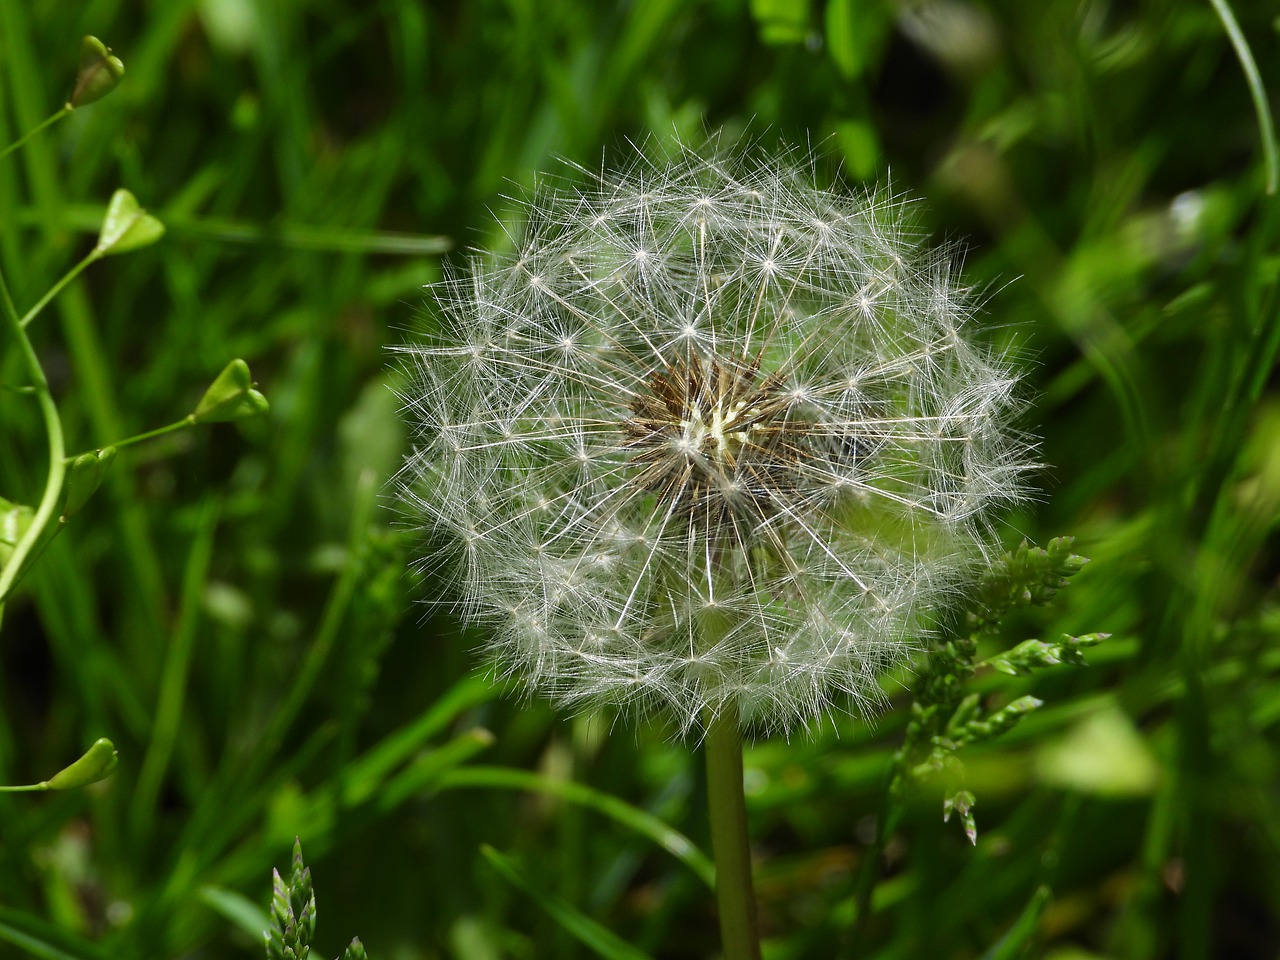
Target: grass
(233, 610)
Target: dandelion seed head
(712, 435)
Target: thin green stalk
(34, 130)
(187, 421)
(734, 896)
(53, 291)
(57, 447)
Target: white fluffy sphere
(710, 435)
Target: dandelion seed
(716, 439)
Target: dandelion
(712, 442)
(709, 437)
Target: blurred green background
(234, 608)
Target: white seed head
(710, 434)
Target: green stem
(187, 421)
(1257, 90)
(57, 447)
(734, 895)
(53, 291)
(29, 788)
(34, 130)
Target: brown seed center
(710, 436)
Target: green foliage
(598, 938)
(944, 716)
(1027, 576)
(125, 227)
(231, 605)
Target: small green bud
(1033, 654)
(1008, 717)
(354, 951)
(966, 712)
(126, 226)
(97, 763)
(962, 803)
(230, 397)
(99, 73)
(84, 476)
(293, 912)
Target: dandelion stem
(734, 895)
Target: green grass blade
(40, 939)
(426, 771)
(1256, 90)
(236, 908)
(643, 823)
(172, 696)
(1014, 943)
(370, 770)
(582, 927)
